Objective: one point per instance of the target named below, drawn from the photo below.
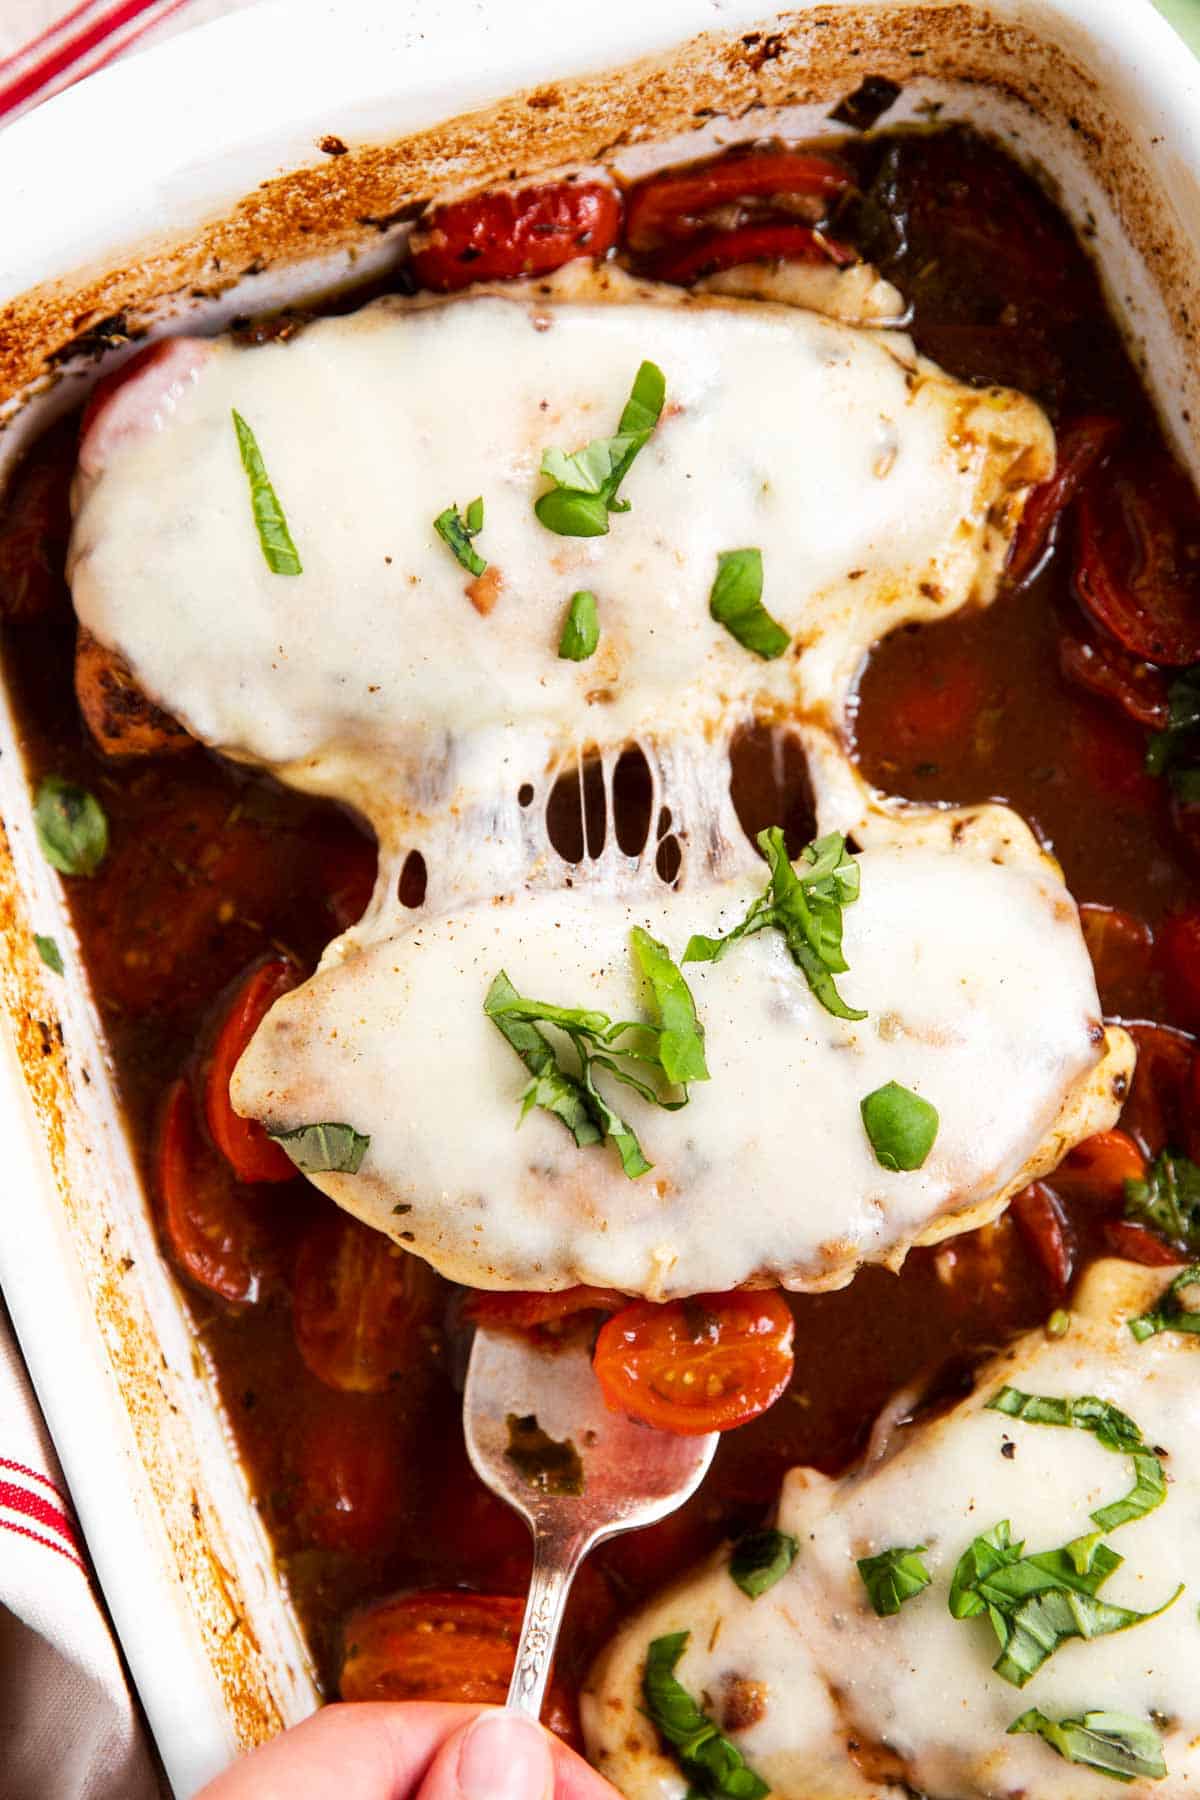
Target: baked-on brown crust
(121, 718)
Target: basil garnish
(894, 1576)
(71, 827)
(1112, 1428)
(1171, 1313)
(457, 531)
(805, 903)
(1167, 1199)
(760, 1559)
(324, 1149)
(282, 557)
(900, 1125)
(714, 1766)
(1037, 1603)
(47, 948)
(1168, 751)
(586, 483)
(1111, 1742)
(673, 1050)
(736, 603)
(581, 629)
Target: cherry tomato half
(691, 1366)
(243, 1142)
(442, 1645)
(1156, 1113)
(684, 201)
(1136, 1243)
(525, 1311)
(361, 1306)
(745, 244)
(1137, 567)
(1098, 1168)
(1179, 950)
(1102, 668)
(498, 237)
(349, 1484)
(1083, 444)
(1121, 947)
(214, 1227)
(1043, 1225)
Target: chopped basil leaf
(1168, 1199)
(282, 557)
(51, 955)
(736, 603)
(894, 1576)
(715, 1766)
(1037, 1603)
(805, 903)
(324, 1149)
(760, 1559)
(1111, 1742)
(681, 1044)
(552, 1089)
(71, 827)
(900, 1125)
(586, 483)
(1179, 744)
(581, 629)
(1112, 1428)
(1173, 1313)
(458, 531)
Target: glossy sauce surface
(212, 868)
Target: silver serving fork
(627, 1474)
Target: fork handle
(555, 1561)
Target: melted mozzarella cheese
(946, 950)
(836, 1692)
(876, 488)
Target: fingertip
(499, 1756)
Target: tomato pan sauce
(339, 1359)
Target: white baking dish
(189, 184)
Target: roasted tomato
(349, 1487)
(1157, 1112)
(214, 1228)
(1136, 1243)
(748, 243)
(1179, 950)
(1137, 567)
(1098, 1168)
(1043, 1225)
(497, 237)
(1083, 444)
(1121, 947)
(434, 1645)
(1106, 670)
(243, 1142)
(696, 201)
(362, 1307)
(692, 1366)
(527, 1312)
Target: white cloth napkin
(68, 1728)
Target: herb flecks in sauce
(550, 1466)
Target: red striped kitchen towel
(45, 45)
(68, 1730)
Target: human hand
(378, 1750)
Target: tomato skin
(1043, 1225)
(1179, 948)
(1111, 673)
(499, 237)
(529, 1311)
(349, 1478)
(699, 1365)
(243, 1143)
(679, 203)
(1137, 567)
(1136, 1243)
(1098, 1168)
(212, 1225)
(1155, 1114)
(1083, 444)
(442, 1645)
(360, 1306)
(1121, 947)
(749, 243)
